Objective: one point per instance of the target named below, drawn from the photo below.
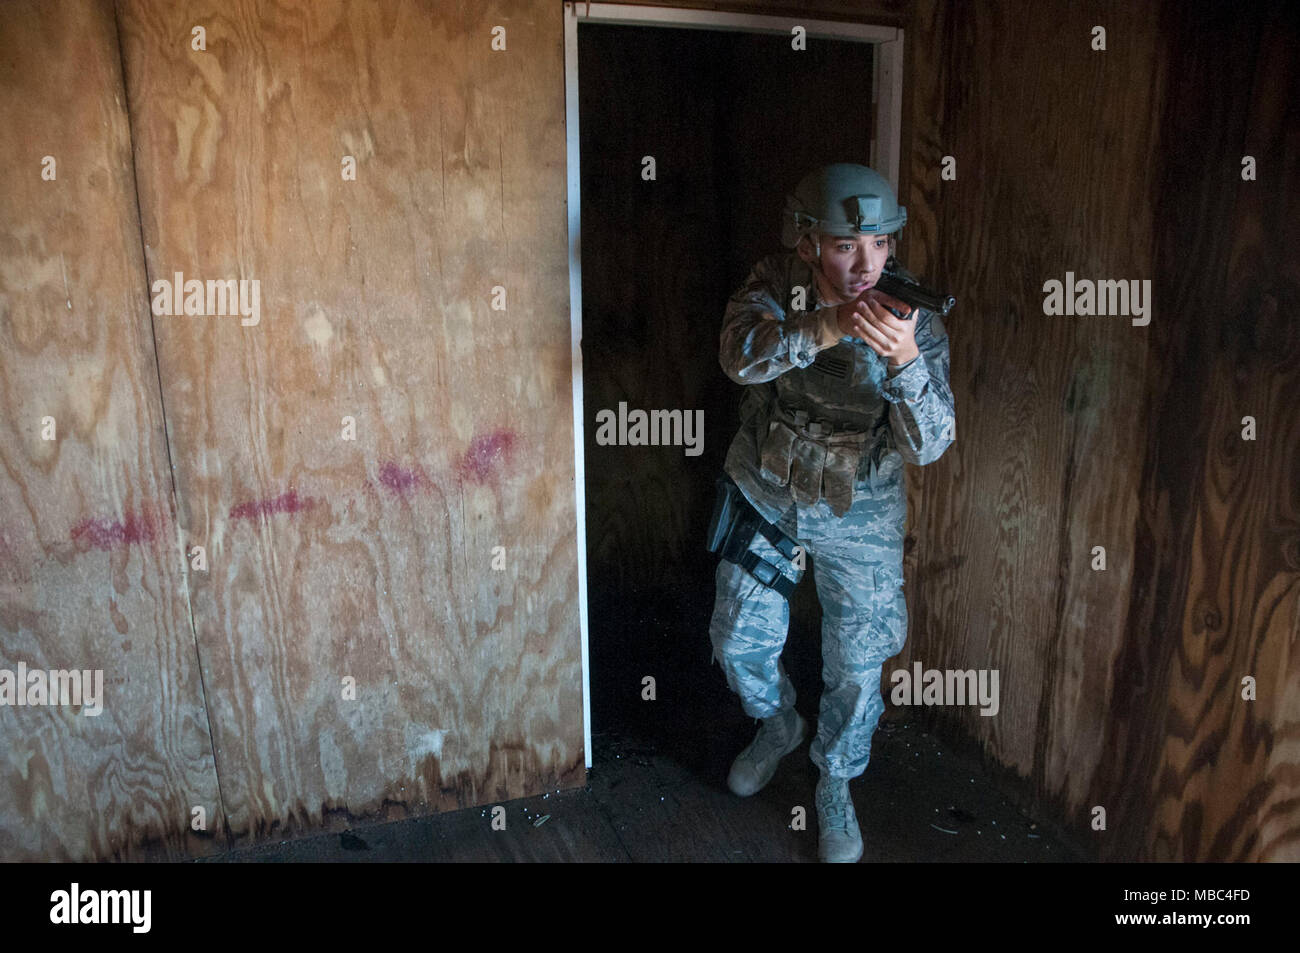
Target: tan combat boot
(839, 840)
(776, 738)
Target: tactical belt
(732, 529)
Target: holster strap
(766, 573)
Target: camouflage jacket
(799, 360)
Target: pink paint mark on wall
(485, 453)
(106, 534)
(398, 479)
(284, 503)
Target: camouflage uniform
(797, 361)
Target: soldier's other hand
(853, 316)
(889, 336)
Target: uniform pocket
(889, 614)
(776, 453)
(806, 471)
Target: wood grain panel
(372, 558)
(1121, 688)
(90, 564)
(1219, 537)
(1043, 468)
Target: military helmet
(841, 199)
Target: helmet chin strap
(816, 266)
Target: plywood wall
(379, 470)
(1218, 542)
(1120, 689)
(369, 559)
(91, 577)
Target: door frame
(886, 95)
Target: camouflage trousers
(857, 565)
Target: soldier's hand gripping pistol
(893, 281)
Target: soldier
(839, 392)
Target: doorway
(686, 130)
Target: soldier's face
(851, 265)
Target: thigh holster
(732, 528)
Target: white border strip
(887, 92)
(575, 345)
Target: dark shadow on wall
(732, 122)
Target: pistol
(904, 287)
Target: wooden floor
(666, 800)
